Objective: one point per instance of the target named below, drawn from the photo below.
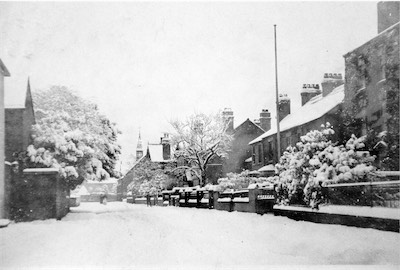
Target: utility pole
(278, 133)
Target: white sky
(146, 63)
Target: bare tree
(198, 140)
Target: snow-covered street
(121, 235)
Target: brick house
(240, 154)
(31, 193)
(19, 118)
(372, 83)
(318, 107)
(158, 156)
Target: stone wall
(38, 194)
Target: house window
(259, 153)
(270, 151)
(362, 82)
(253, 157)
(381, 69)
(364, 128)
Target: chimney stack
(166, 145)
(388, 14)
(265, 120)
(308, 92)
(330, 82)
(227, 115)
(284, 106)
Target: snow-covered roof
(156, 152)
(267, 168)
(315, 108)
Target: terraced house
(371, 104)
(318, 107)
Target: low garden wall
(143, 200)
(39, 194)
(256, 202)
(96, 198)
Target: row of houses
(365, 101)
(367, 95)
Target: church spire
(139, 148)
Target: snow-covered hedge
(242, 181)
(315, 161)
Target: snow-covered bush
(240, 181)
(315, 161)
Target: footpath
(382, 218)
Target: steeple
(139, 148)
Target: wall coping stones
(41, 171)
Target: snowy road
(121, 235)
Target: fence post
(370, 194)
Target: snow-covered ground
(120, 235)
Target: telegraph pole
(278, 133)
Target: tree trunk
(203, 178)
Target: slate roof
(156, 153)
(315, 108)
(248, 120)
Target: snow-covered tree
(73, 136)
(198, 140)
(315, 161)
(151, 177)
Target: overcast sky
(145, 63)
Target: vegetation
(198, 140)
(73, 136)
(315, 161)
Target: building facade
(372, 85)
(318, 107)
(19, 119)
(157, 157)
(240, 154)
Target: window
(364, 128)
(362, 82)
(270, 151)
(260, 153)
(381, 68)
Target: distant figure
(155, 199)
(148, 199)
(104, 194)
